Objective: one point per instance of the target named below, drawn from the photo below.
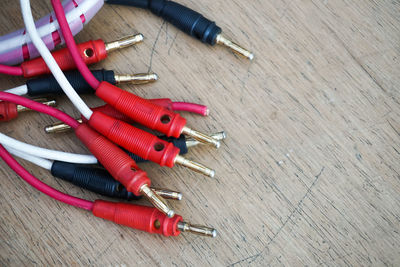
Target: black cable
(98, 180)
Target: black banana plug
(188, 21)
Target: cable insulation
(41, 162)
(190, 107)
(10, 70)
(46, 153)
(58, 114)
(16, 47)
(50, 61)
(42, 187)
(20, 90)
(73, 49)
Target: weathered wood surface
(309, 174)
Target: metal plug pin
(197, 229)
(222, 40)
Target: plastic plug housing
(137, 141)
(91, 52)
(49, 85)
(8, 111)
(142, 218)
(115, 160)
(94, 179)
(141, 110)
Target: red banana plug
(149, 114)
(109, 111)
(142, 143)
(91, 52)
(147, 219)
(120, 166)
(9, 111)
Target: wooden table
(309, 174)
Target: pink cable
(58, 114)
(190, 107)
(73, 49)
(42, 187)
(9, 70)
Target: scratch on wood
(154, 45)
(172, 44)
(254, 257)
(354, 57)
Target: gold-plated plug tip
(222, 40)
(157, 201)
(203, 138)
(45, 101)
(195, 166)
(197, 229)
(58, 127)
(168, 194)
(190, 142)
(139, 78)
(124, 42)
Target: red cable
(9, 70)
(42, 187)
(58, 114)
(87, 74)
(73, 49)
(190, 107)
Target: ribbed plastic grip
(116, 161)
(142, 218)
(8, 111)
(112, 112)
(48, 85)
(137, 141)
(91, 52)
(141, 110)
(182, 17)
(94, 179)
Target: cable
(40, 108)
(139, 109)
(134, 216)
(9, 70)
(188, 21)
(51, 63)
(19, 90)
(16, 47)
(116, 161)
(191, 107)
(10, 110)
(91, 178)
(45, 85)
(41, 162)
(46, 153)
(38, 151)
(73, 49)
(42, 187)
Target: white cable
(46, 153)
(20, 90)
(47, 29)
(41, 162)
(50, 61)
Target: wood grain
(309, 174)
